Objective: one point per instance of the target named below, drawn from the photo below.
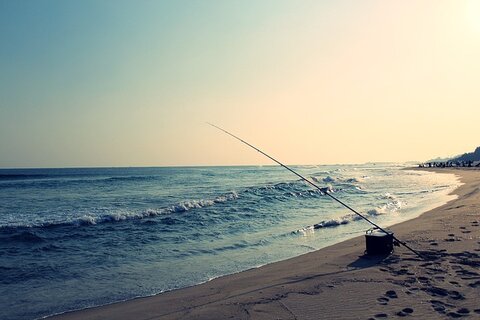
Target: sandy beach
(338, 282)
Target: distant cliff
(472, 156)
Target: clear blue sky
(127, 83)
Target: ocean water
(76, 238)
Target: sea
(75, 238)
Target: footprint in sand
(467, 275)
(454, 315)
(383, 301)
(433, 271)
(381, 315)
(427, 264)
(463, 311)
(391, 294)
(455, 295)
(440, 306)
(400, 272)
(410, 280)
(440, 278)
(441, 292)
(405, 312)
(436, 291)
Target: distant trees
(472, 156)
(471, 159)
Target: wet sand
(338, 282)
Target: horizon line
(203, 166)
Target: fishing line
(322, 190)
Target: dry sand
(339, 283)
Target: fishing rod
(322, 190)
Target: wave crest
(115, 216)
(332, 223)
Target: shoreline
(294, 288)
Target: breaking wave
(393, 205)
(338, 180)
(91, 219)
(283, 191)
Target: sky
(133, 83)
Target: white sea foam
(346, 219)
(105, 215)
(87, 220)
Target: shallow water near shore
(75, 238)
